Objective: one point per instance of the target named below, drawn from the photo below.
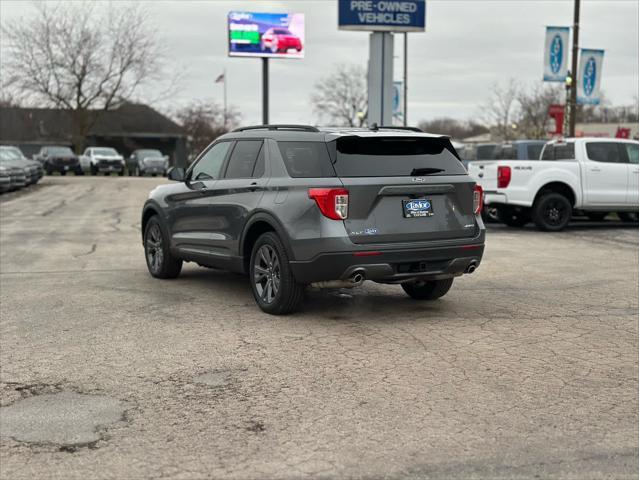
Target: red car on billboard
(280, 40)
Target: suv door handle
(253, 187)
(595, 169)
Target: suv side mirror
(177, 174)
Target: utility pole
(575, 79)
(405, 78)
(225, 106)
(264, 90)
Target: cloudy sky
(468, 46)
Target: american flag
(220, 78)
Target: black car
(294, 205)
(60, 159)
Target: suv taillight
(478, 199)
(332, 202)
(503, 177)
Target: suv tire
(159, 261)
(551, 212)
(274, 287)
(431, 290)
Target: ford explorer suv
(293, 206)
(594, 176)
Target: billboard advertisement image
(261, 34)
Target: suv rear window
(306, 159)
(395, 157)
(559, 151)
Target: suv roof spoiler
(305, 128)
(374, 126)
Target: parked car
(280, 40)
(56, 158)
(520, 150)
(294, 205)
(102, 160)
(33, 169)
(5, 179)
(147, 161)
(13, 176)
(595, 176)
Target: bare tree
(533, 109)
(501, 109)
(82, 57)
(203, 121)
(342, 96)
(457, 129)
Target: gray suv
(293, 206)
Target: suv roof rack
(374, 126)
(306, 128)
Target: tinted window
(485, 152)
(243, 159)
(58, 151)
(534, 151)
(507, 152)
(306, 159)
(633, 152)
(604, 152)
(559, 151)
(209, 165)
(396, 157)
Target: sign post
(266, 35)
(382, 17)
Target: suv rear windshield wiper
(426, 171)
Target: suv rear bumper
(392, 265)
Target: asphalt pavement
(528, 368)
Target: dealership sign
(589, 77)
(382, 15)
(556, 54)
(259, 34)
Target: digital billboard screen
(259, 34)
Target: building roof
(49, 124)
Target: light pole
(575, 52)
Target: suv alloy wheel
(274, 287)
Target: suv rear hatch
(404, 189)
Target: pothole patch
(65, 418)
(214, 379)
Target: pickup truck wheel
(274, 287)
(159, 261)
(629, 217)
(512, 217)
(596, 216)
(551, 212)
(432, 290)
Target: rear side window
(559, 151)
(396, 157)
(244, 159)
(306, 159)
(607, 152)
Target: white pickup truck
(593, 175)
